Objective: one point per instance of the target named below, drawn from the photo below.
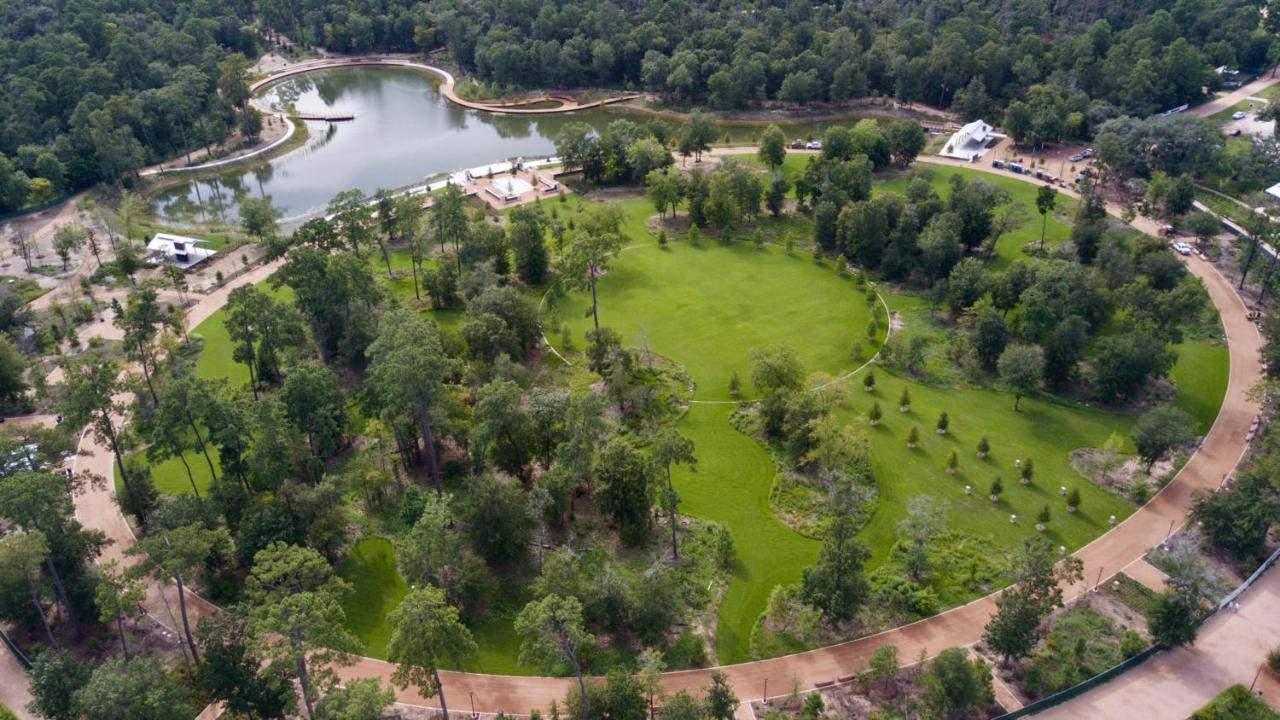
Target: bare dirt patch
(1124, 475)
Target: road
(1225, 101)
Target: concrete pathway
(1173, 684)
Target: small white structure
(1274, 191)
(177, 250)
(508, 189)
(970, 141)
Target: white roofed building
(185, 252)
(970, 141)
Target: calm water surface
(404, 131)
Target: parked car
(797, 144)
(1077, 157)
(1239, 115)
(814, 145)
(1181, 248)
(1089, 152)
(1016, 168)
(997, 164)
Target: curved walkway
(448, 86)
(1218, 455)
(288, 133)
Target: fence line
(12, 214)
(17, 653)
(1111, 673)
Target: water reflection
(404, 131)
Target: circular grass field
(707, 306)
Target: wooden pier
(347, 117)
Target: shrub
(913, 436)
(874, 414)
(1073, 500)
(869, 382)
(997, 487)
(953, 461)
(662, 238)
(904, 400)
(1273, 660)
(1028, 470)
(1131, 643)
(984, 447)
(943, 423)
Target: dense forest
(92, 90)
(1104, 58)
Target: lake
(404, 131)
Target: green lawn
(378, 589)
(1236, 703)
(1044, 431)
(1226, 113)
(214, 363)
(731, 485)
(1201, 378)
(708, 306)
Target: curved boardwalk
(448, 86)
(1108, 554)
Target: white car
(1181, 248)
(1239, 115)
(814, 145)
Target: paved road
(1173, 684)
(1243, 93)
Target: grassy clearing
(1201, 375)
(370, 567)
(25, 288)
(708, 306)
(1226, 113)
(731, 486)
(905, 473)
